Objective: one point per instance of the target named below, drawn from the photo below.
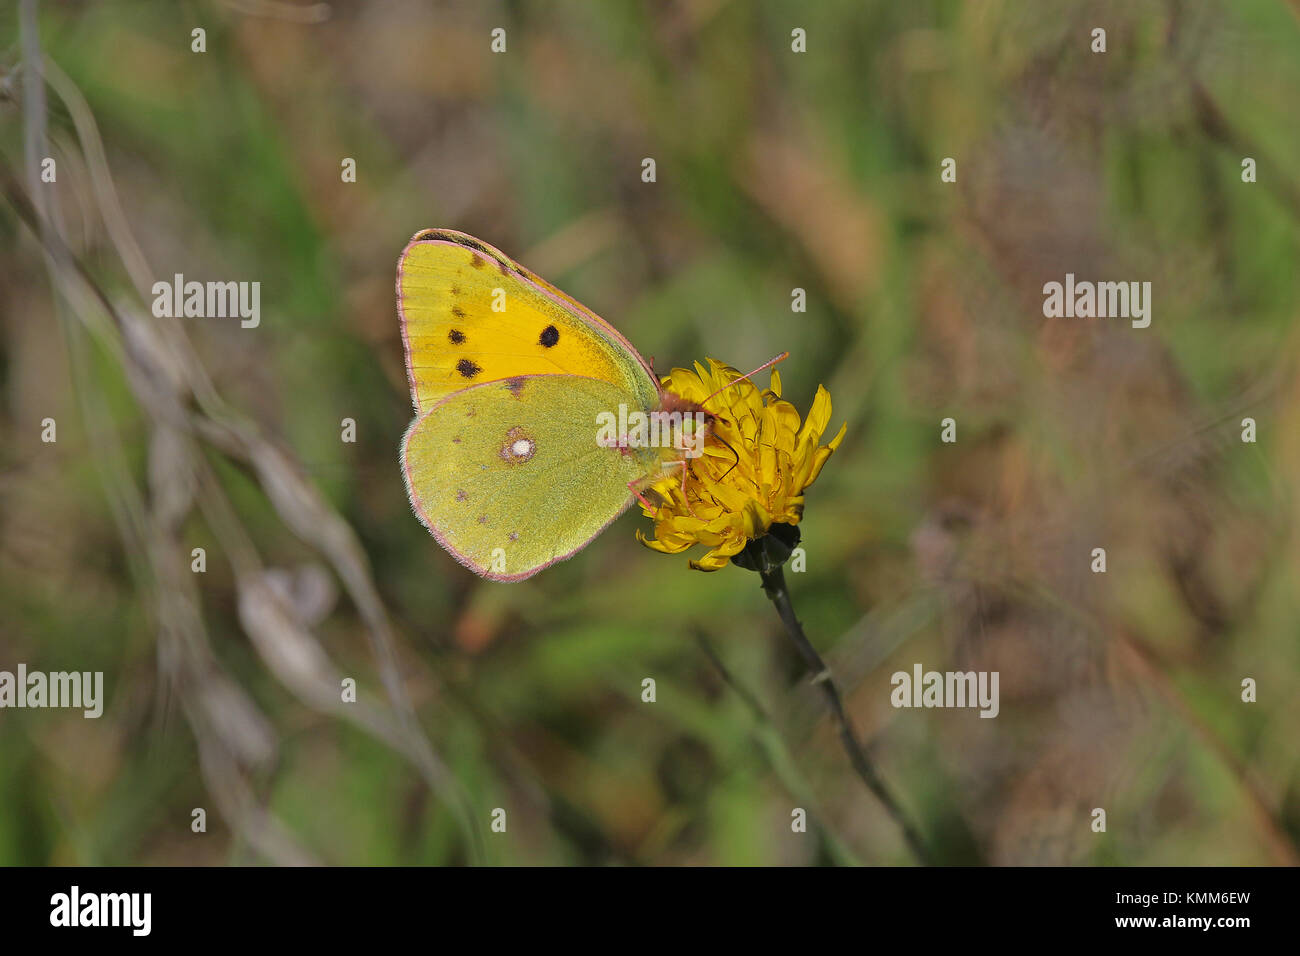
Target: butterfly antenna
(768, 364)
(733, 453)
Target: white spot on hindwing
(518, 447)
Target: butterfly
(518, 456)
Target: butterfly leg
(685, 463)
(632, 487)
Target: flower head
(757, 462)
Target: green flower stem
(773, 578)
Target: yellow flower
(756, 465)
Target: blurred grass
(775, 171)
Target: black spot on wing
(456, 336)
(516, 385)
(476, 260)
(458, 312)
(467, 368)
(550, 335)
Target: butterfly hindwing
(509, 477)
(471, 315)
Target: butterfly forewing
(470, 315)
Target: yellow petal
(710, 562)
(757, 521)
(823, 454)
(662, 546)
(835, 442)
(819, 416)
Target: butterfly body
(510, 461)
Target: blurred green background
(776, 170)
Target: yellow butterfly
(537, 423)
